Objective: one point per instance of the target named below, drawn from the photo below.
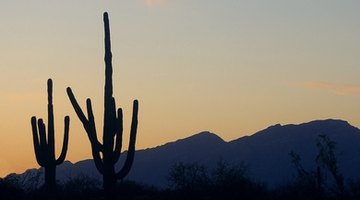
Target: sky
(231, 67)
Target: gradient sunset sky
(232, 67)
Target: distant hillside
(266, 153)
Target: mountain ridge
(265, 152)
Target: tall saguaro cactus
(44, 146)
(108, 153)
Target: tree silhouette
(45, 146)
(328, 160)
(108, 153)
(189, 177)
(225, 181)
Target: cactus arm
(42, 133)
(90, 126)
(131, 150)
(113, 117)
(65, 141)
(98, 161)
(76, 106)
(43, 143)
(96, 146)
(38, 153)
(119, 131)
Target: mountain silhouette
(265, 153)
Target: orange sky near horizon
(229, 67)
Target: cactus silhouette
(108, 153)
(44, 146)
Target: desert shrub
(324, 182)
(9, 189)
(225, 181)
(126, 189)
(231, 181)
(80, 186)
(191, 177)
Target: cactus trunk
(108, 153)
(109, 181)
(50, 177)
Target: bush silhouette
(225, 181)
(81, 187)
(327, 159)
(10, 189)
(315, 183)
(189, 177)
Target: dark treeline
(187, 181)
